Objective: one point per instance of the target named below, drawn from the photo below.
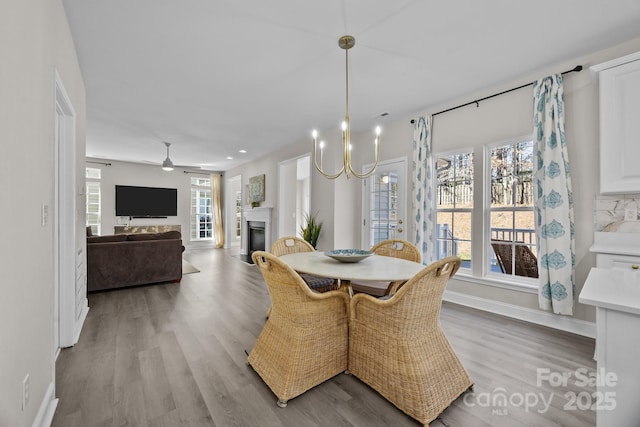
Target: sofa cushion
(167, 235)
(174, 234)
(107, 239)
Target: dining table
(373, 268)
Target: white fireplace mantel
(261, 214)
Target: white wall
(475, 126)
(287, 199)
(503, 117)
(137, 174)
(35, 41)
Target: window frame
(93, 180)
(194, 217)
(435, 157)
(510, 281)
(478, 271)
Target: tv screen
(146, 201)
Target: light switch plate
(44, 214)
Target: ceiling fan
(167, 165)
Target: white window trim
(198, 187)
(513, 282)
(99, 182)
(481, 193)
(462, 270)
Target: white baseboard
(44, 417)
(538, 317)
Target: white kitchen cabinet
(616, 294)
(619, 81)
(613, 287)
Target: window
(454, 205)
(511, 213)
(383, 209)
(238, 214)
(92, 176)
(505, 207)
(201, 217)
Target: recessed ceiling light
(229, 158)
(242, 151)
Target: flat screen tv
(146, 201)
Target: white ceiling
(216, 76)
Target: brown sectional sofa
(121, 260)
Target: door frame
(71, 310)
(231, 184)
(283, 188)
(364, 235)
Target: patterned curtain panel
(554, 204)
(422, 189)
(216, 209)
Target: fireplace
(256, 230)
(256, 236)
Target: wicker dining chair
(292, 245)
(393, 248)
(304, 341)
(525, 260)
(397, 346)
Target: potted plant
(311, 231)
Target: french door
(384, 203)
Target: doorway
(384, 202)
(233, 195)
(70, 304)
(294, 194)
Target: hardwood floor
(174, 355)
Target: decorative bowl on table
(348, 255)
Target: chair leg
(282, 403)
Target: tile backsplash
(617, 213)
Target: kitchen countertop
(616, 243)
(613, 288)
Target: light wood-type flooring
(174, 355)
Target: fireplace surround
(256, 225)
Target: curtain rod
(99, 163)
(576, 69)
(202, 173)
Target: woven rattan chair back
(304, 341)
(398, 347)
(395, 248)
(290, 245)
(288, 290)
(526, 262)
(398, 249)
(418, 301)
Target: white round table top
(374, 267)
